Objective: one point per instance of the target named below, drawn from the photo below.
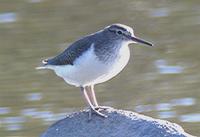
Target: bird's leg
(92, 96)
(94, 100)
(83, 89)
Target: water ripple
(4, 110)
(144, 108)
(166, 69)
(166, 106)
(167, 114)
(35, 1)
(183, 102)
(8, 17)
(13, 120)
(14, 127)
(163, 106)
(34, 96)
(159, 12)
(193, 117)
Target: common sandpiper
(94, 59)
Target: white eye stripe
(119, 31)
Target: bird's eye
(119, 32)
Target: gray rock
(119, 123)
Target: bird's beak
(139, 40)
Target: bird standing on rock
(94, 59)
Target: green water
(162, 82)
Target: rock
(119, 123)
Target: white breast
(117, 65)
(88, 70)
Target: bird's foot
(93, 110)
(100, 108)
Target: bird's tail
(44, 65)
(41, 67)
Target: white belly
(88, 70)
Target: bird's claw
(100, 108)
(96, 111)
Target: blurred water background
(162, 82)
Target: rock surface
(119, 123)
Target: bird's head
(125, 34)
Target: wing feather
(69, 55)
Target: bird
(94, 59)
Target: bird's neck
(109, 51)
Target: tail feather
(41, 67)
(44, 64)
(45, 61)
